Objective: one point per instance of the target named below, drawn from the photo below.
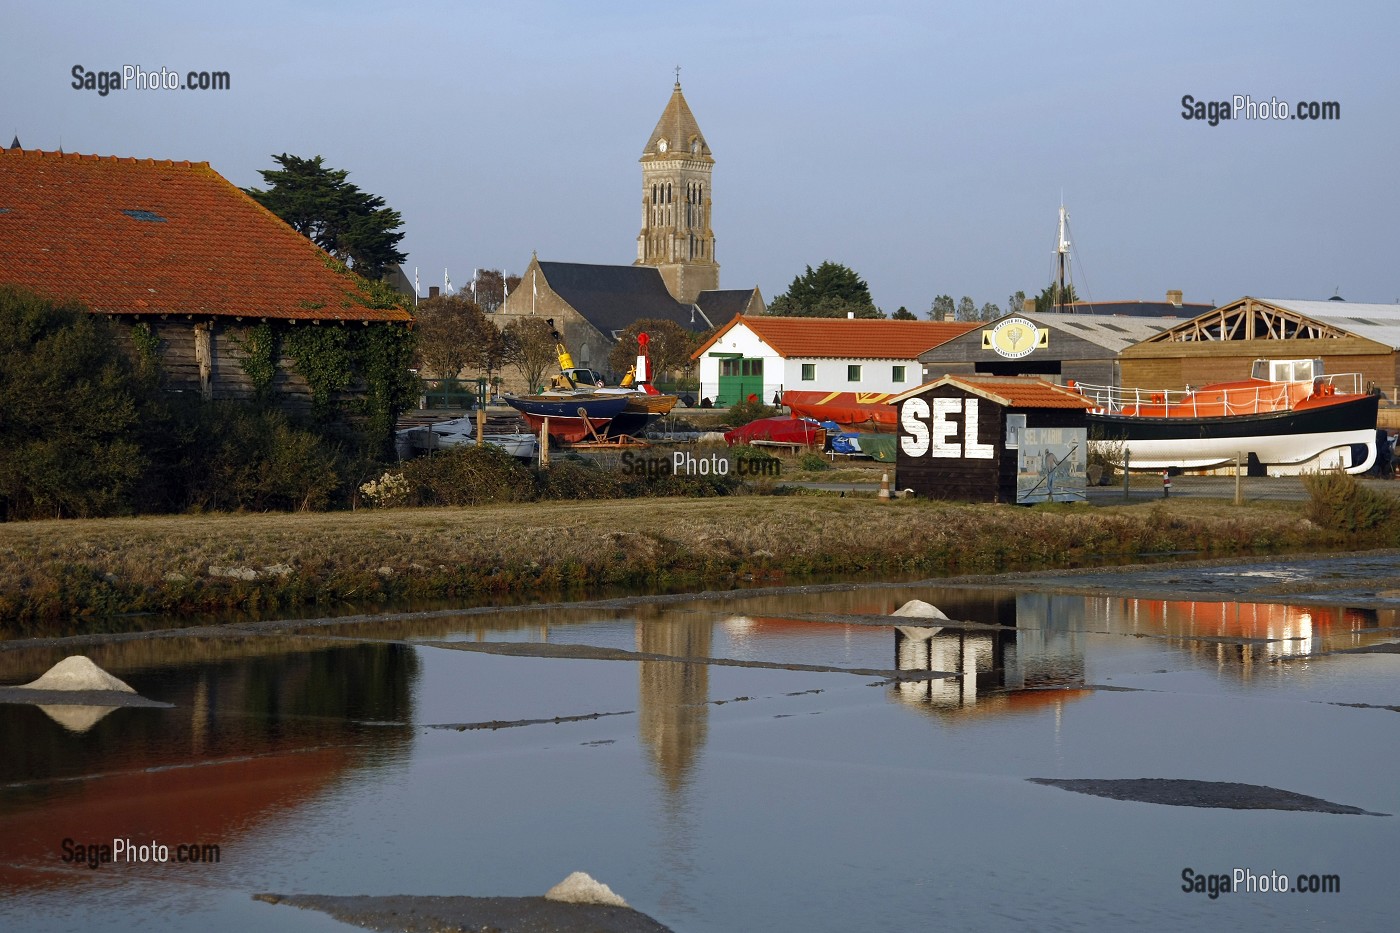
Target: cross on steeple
(678, 76)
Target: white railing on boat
(1242, 400)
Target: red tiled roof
(140, 236)
(845, 338)
(1010, 391)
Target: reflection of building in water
(1242, 635)
(999, 669)
(249, 739)
(674, 700)
(674, 696)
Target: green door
(739, 377)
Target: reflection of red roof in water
(215, 803)
(1245, 620)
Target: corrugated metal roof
(1111, 333)
(1377, 322)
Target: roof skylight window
(150, 217)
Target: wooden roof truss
(1248, 320)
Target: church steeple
(676, 235)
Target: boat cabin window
(1287, 370)
(583, 377)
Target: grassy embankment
(187, 564)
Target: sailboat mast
(1062, 249)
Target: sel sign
(930, 433)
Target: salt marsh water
(778, 791)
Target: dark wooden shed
(992, 439)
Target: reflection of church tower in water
(674, 696)
(676, 235)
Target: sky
(927, 146)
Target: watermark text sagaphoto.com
(682, 463)
(1245, 107)
(1245, 881)
(127, 852)
(134, 77)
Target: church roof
(141, 236)
(682, 134)
(722, 303)
(612, 297)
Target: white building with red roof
(764, 356)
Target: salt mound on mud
(918, 609)
(579, 888)
(77, 672)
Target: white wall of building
(744, 342)
(833, 375)
(829, 374)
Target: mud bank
(1364, 579)
(1213, 794)
(183, 565)
(497, 914)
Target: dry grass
(182, 564)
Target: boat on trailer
(611, 411)
(1287, 418)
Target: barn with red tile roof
(175, 247)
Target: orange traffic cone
(885, 486)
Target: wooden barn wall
(963, 479)
(1177, 365)
(228, 382)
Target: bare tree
(446, 335)
(492, 286)
(529, 346)
(670, 346)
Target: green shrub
(576, 478)
(1338, 502)
(743, 412)
(69, 404)
(813, 462)
(469, 475)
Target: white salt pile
(579, 888)
(77, 673)
(918, 609)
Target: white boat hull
(1282, 455)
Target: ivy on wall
(259, 349)
(385, 351)
(323, 357)
(329, 358)
(147, 345)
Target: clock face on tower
(661, 145)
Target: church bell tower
(676, 236)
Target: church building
(676, 274)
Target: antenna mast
(1062, 255)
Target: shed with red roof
(992, 439)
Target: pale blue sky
(924, 145)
